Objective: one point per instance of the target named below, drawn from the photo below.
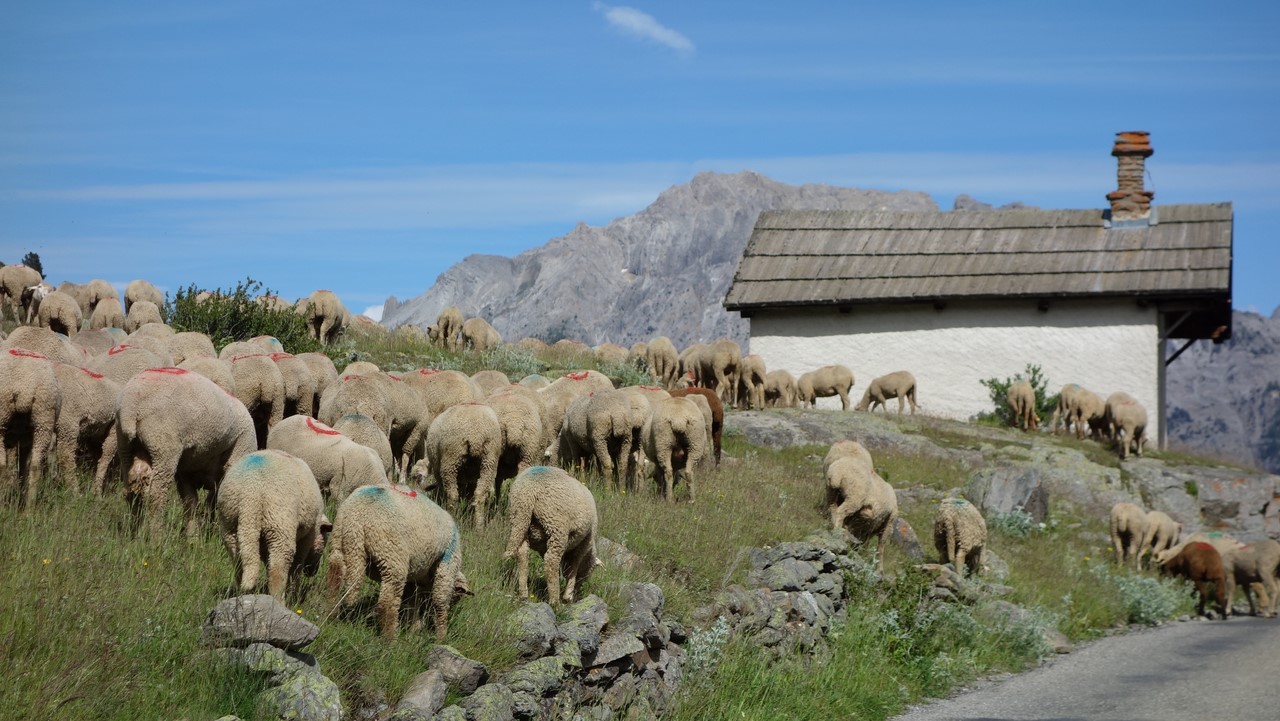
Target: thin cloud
(645, 26)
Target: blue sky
(366, 147)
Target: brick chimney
(1129, 201)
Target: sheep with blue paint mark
(405, 541)
(270, 510)
(340, 464)
(554, 514)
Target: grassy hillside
(98, 624)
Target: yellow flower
(45, 561)
(145, 563)
(299, 612)
(1086, 558)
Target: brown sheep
(1022, 405)
(827, 381)
(1201, 564)
(1128, 531)
(899, 384)
(30, 399)
(554, 514)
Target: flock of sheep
(271, 437)
(1203, 558)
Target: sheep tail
(521, 511)
(248, 535)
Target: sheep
(862, 500)
(463, 445)
(643, 399)
(1022, 405)
(157, 345)
(554, 514)
(561, 392)
(751, 382)
(267, 344)
(364, 431)
(340, 465)
(1222, 542)
(534, 381)
(638, 357)
(99, 340)
(32, 297)
(717, 415)
(675, 439)
(325, 316)
(323, 372)
(1201, 563)
(189, 344)
(689, 363)
(827, 381)
(721, 364)
(490, 381)
(1128, 532)
(274, 303)
(54, 346)
(30, 399)
(610, 353)
(1090, 410)
(1126, 422)
(520, 418)
(238, 347)
(122, 362)
(142, 290)
(60, 313)
(441, 389)
(215, 370)
(402, 539)
(448, 328)
(108, 314)
(704, 407)
(597, 427)
(960, 534)
(260, 387)
(141, 313)
(13, 280)
(1253, 565)
(899, 384)
(1065, 410)
(173, 425)
(664, 362)
(361, 368)
(1161, 534)
(269, 509)
(366, 395)
(779, 389)
(847, 448)
(86, 421)
(299, 386)
(92, 293)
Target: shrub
(232, 315)
(1146, 599)
(1014, 524)
(999, 390)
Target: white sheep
(960, 534)
(86, 421)
(270, 509)
(899, 384)
(1128, 529)
(30, 399)
(340, 464)
(847, 448)
(856, 496)
(554, 514)
(1126, 422)
(827, 381)
(463, 446)
(675, 440)
(406, 542)
(1162, 533)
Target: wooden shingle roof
(825, 257)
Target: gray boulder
(458, 670)
(534, 625)
(302, 697)
(259, 618)
(491, 702)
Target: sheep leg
(573, 562)
(442, 589)
(885, 533)
(485, 483)
(522, 570)
(844, 398)
(551, 559)
(280, 552)
(688, 479)
(189, 493)
(65, 451)
(389, 596)
(901, 403)
(104, 462)
(233, 550)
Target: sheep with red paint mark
(177, 427)
(218, 371)
(54, 346)
(364, 431)
(411, 542)
(86, 423)
(270, 512)
(715, 429)
(122, 362)
(339, 464)
(30, 399)
(1200, 563)
(299, 386)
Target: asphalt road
(1224, 671)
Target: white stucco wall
(1105, 346)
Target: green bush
(999, 390)
(232, 315)
(1146, 599)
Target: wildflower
(298, 611)
(1086, 558)
(144, 563)
(45, 561)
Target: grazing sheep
(1065, 410)
(675, 439)
(151, 341)
(721, 364)
(108, 314)
(86, 422)
(561, 392)
(827, 381)
(323, 372)
(274, 303)
(663, 360)
(899, 384)
(463, 446)
(364, 431)
(299, 386)
(1250, 566)
(1022, 405)
(14, 279)
(260, 387)
(597, 427)
(638, 357)
(340, 465)
(54, 346)
(402, 539)
(218, 371)
(751, 382)
(173, 425)
(448, 328)
(270, 510)
(238, 347)
(98, 341)
(1126, 422)
(190, 344)
(442, 389)
(554, 514)
(361, 368)
(92, 293)
(610, 353)
(863, 501)
(520, 418)
(32, 298)
(779, 389)
(490, 381)
(366, 395)
(267, 344)
(643, 399)
(1128, 532)
(1090, 410)
(142, 290)
(142, 313)
(689, 363)
(1201, 564)
(1161, 534)
(123, 362)
(60, 313)
(30, 399)
(960, 534)
(325, 316)
(717, 414)
(847, 448)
